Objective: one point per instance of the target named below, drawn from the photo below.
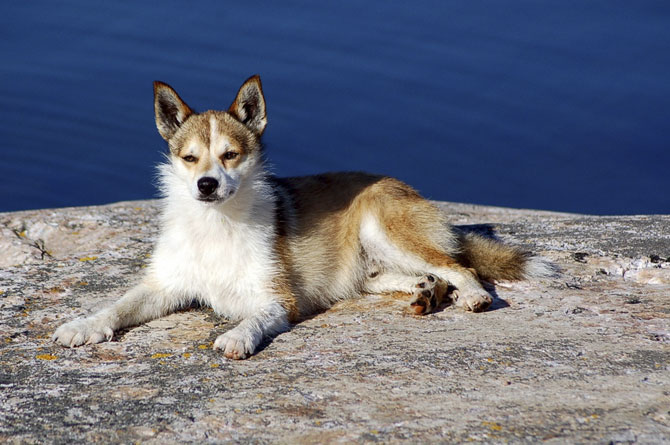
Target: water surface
(560, 105)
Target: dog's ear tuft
(249, 105)
(170, 110)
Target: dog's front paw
(83, 331)
(476, 300)
(237, 344)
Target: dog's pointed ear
(249, 105)
(170, 110)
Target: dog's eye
(190, 158)
(230, 155)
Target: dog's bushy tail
(495, 261)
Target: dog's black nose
(207, 185)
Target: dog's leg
(417, 239)
(387, 282)
(427, 292)
(241, 341)
(430, 290)
(142, 303)
(468, 293)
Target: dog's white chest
(227, 265)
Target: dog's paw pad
(427, 295)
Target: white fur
(214, 251)
(219, 254)
(391, 282)
(538, 267)
(381, 251)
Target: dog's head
(215, 150)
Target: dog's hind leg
(407, 234)
(388, 282)
(142, 303)
(427, 292)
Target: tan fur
(324, 239)
(491, 259)
(284, 284)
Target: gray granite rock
(580, 358)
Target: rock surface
(580, 358)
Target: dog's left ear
(249, 105)
(170, 110)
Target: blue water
(560, 105)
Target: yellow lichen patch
(55, 290)
(492, 425)
(186, 354)
(160, 355)
(82, 283)
(74, 233)
(202, 346)
(214, 365)
(88, 258)
(46, 357)
(22, 233)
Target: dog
(269, 251)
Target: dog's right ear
(170, 110)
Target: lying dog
(268, 251)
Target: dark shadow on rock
(485, 230)
(498, 303)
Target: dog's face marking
(214, 150)
(210, 158)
